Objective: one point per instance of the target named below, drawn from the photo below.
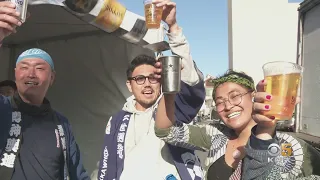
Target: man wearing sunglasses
(131, 150)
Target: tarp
(90, 64)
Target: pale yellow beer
(283, 80)
(153, 14)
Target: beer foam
(278, 68)
(147, 1)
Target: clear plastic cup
(153, 14)
(283, 80)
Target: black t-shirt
(219, 170)
(41, 156)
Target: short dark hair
(138, 61)
(9, 83)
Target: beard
(147, 103)
(147, 100)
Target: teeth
(234, 114)
(31, 83)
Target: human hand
(169, 13)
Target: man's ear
(53, 76)
(252, 95)
(128, 83)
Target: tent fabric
(44, 25)
(90, 68)
(52, 22)
(4, 63)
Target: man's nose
(147, 82)
(31, 73)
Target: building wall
(261, 31)
(208, 102)
(209, 89)
(309, 106)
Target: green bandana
(234, 78)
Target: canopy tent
(90, 65)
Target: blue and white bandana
(36, 53)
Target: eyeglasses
(234, 98)
(140, 79)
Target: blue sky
(294, 1)
(206, 28)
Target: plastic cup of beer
(153, 14)
(283, 80)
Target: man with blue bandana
(36, 142)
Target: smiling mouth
(234, 114)
(31, 83)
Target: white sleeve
(180, 46)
